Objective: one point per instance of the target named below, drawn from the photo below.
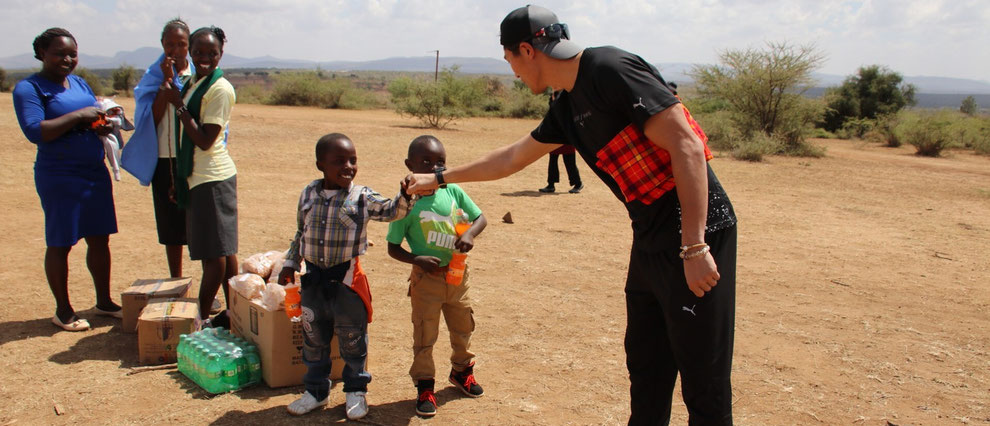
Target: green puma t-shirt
(429, 227)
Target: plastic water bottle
(293, 302)
(253, 363)
(214, 375)
(458, 259)
(228, 366)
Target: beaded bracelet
(694, 254)
(692, 246)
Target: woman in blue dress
(56, 111)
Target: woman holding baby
(56, 111)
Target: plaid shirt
(333, 229)
(641, 168)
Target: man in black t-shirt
(632, 131)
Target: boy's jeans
(430, 295)
(330, 307)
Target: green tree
(872, 92)
(124, 78)
(969, 106)
(762, 91)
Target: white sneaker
(306, 404)
(356, 405)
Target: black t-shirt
(615, 93)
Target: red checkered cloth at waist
(640, 167)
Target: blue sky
(914, 37)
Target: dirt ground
(862, 288)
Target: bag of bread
(258, 264)
(249, 285)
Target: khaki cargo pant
(431, 295)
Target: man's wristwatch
(439, 174)
(180, 110)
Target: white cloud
(914, 37)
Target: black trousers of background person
(669, 330)
(570, 164)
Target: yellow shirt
(214, 163)
(166, 127)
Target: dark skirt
(77, 201)
(170, 219)
(211, 220)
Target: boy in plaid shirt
(332, 232)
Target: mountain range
(676, 72)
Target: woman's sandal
(119, 313)
(78, 325)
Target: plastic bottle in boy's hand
(293, 302)
(458, 260)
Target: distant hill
(945, 89)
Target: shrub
(308, 89)
(94, 81)
(252, 94)
(982, 144)
(756, 147)
(438, 103)
(721, 131)
(524, 104)
(124, 79)
(855, 128)
(928, 133)
(965, 130)
(885, 132)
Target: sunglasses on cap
(552, 32)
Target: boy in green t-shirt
(429, 230)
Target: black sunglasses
(551, 32)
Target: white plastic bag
(278, 262)
(249, 285)
(273, 297)
(258, 264)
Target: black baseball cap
(541, 28)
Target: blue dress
(69, 173)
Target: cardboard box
(159, 327)
(137, 295)
(279, 342)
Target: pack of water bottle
(218, 361)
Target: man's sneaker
(577, 188)
(466, 383)
(355, 405)
(426, 404)
(305, 404)
(548, 189)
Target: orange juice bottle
(457, 265)
(293, 302)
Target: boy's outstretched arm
(465, 242)
(389, 209)
(429, 264)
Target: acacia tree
(763, 89)
(874, 91)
